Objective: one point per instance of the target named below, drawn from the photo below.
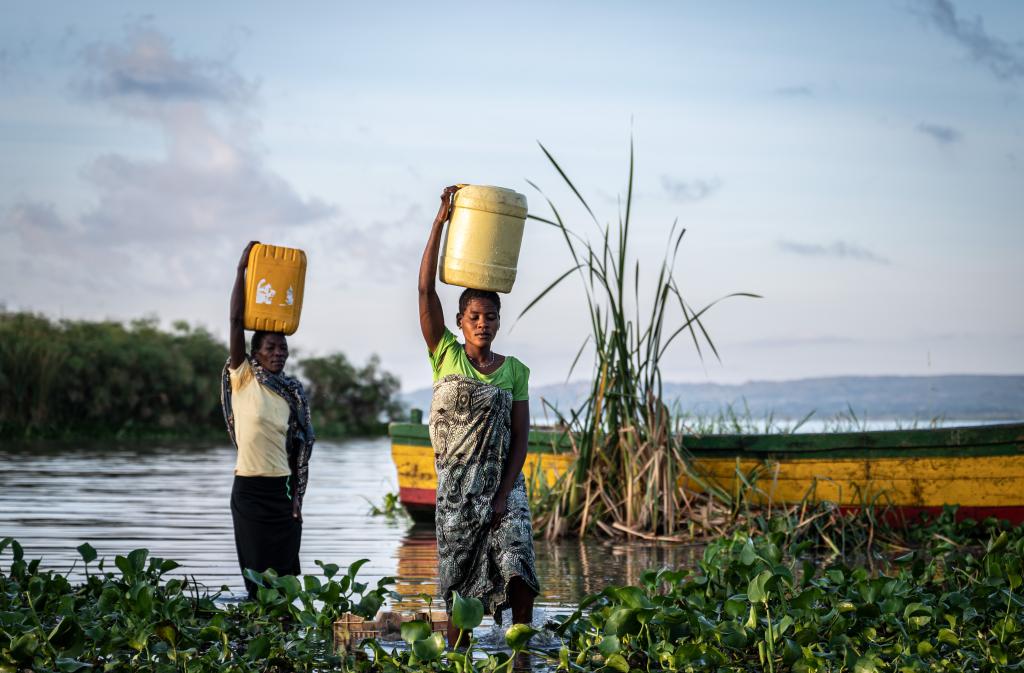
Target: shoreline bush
(81, 379)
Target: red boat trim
(423, 500)
(417, 497)
(895, 515)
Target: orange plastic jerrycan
(274, 286)
(485, 232)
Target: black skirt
(266, 534)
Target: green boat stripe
(991, 440)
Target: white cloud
(690, 190)
(207, 192)
(837, 249)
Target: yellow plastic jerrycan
(274, 286)
(485, 232)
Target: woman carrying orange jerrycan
(479, 422)
(267, 416)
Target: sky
(859, 165)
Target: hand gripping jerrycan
(274, 285)
(485, 232)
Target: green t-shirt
(450, 358)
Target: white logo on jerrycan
(265, 292)
(289, 297)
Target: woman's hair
(257, 340)
(470, 293)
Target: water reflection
(567, 569)
(173, 499)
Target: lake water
(173, 500)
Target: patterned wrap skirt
(471, 432)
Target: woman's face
(479, 322)
(273, 353)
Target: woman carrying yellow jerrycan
(479, 422)
(267, 416)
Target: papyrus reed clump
(630, 457)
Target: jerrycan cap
(492, 200)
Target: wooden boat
(979, 468)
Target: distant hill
(974, 397)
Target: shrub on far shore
(79, 378)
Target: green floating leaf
(519, 635)
(947, 636)
(791, 651)
(736, 606)
(330, 569)
(353, 569)
(416, 630)
(632, 597)
(24, 647)
(87, 553)
(1000, 543)
(258, 648)
(734, 635)
(430, 648)
(748, 555)
(167, 632)
(369, 604)
(622, 621)
(467, 613)
(756, 591)
(609, 645)
(254, 577)
(209, 634)
(617, 662)
(290, 585)
(137, 559)
(70, 665)
(168, 565)
(312, 584)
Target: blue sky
(859, 164)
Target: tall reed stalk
(626, 479)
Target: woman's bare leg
(453, 635)
(520, 598)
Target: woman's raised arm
(431, 315)
(236, 341)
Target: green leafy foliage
(953, 605)
(348, 400)
(467, 613)
(76, 378)
(749, 605)
(136, 619)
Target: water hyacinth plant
(629, 451)
(134, 619)
(754, 602)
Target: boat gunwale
(965, 441)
